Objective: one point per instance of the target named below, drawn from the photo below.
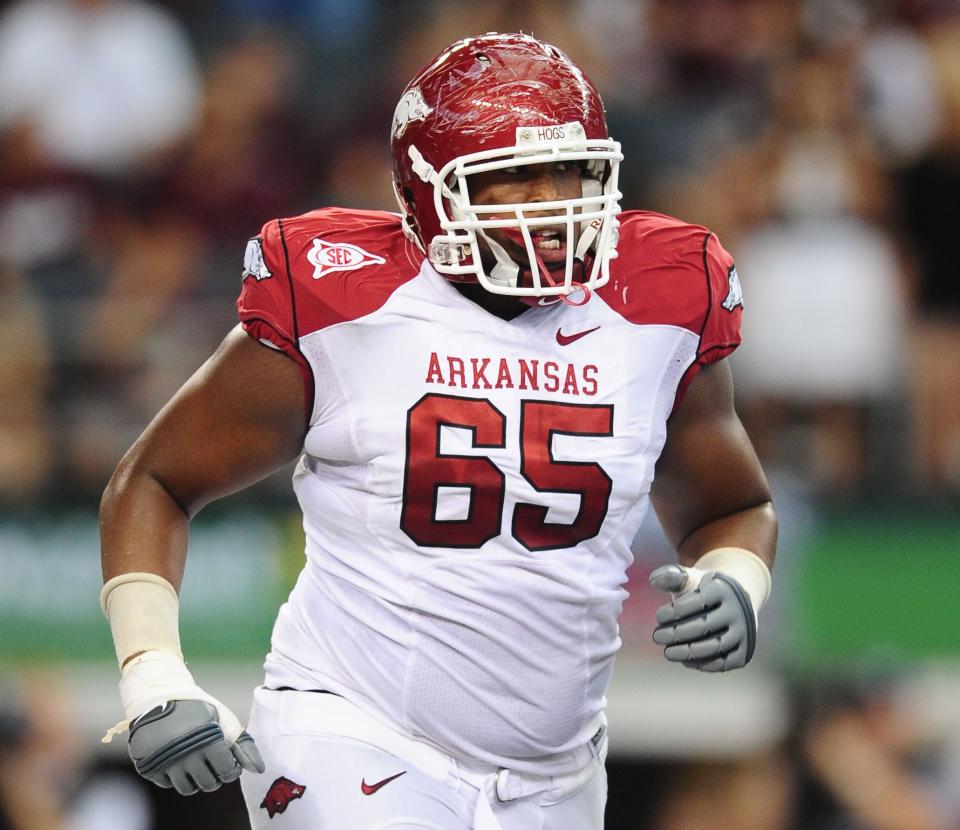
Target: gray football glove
(181, 745)
(712, 627)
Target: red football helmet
(495, 102)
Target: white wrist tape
(156, 677)
(143, 611)
(742, 565)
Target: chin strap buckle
(421, 167)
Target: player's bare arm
(709, 489)
(239, 418)
(715, 507)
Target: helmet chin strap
(591, 187)
(577, 289)
(506, 271)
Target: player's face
(530, 183)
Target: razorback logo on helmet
(411, 107)
(281, 793)
(327, 257)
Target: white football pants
(330, 766)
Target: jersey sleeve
(266, 305)
(720, 332)
(721, 329)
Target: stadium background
(142, 143)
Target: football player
(479, 389)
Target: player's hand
(180, 736)
(710, 624)
(181, 744)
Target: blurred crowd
(141, 144)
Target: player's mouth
(550, 245)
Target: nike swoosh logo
(567, 339)
(370, 789)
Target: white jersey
(470, 486)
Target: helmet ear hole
(405, 201)
(411, 216)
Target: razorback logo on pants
(281, 793)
